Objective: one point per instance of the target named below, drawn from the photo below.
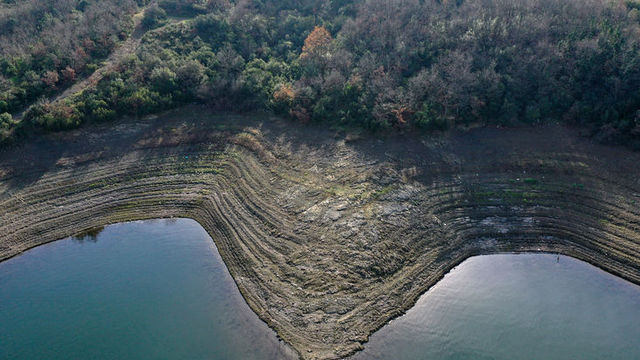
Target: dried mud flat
(328, 235)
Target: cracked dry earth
(330, 235)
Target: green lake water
(527, 306)
(159, 290)
(140, 290)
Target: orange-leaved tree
(317, 43)
(283, 98)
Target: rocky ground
(330, 234)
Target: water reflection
(527, 306)
(88, 235)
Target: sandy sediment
(330, 235)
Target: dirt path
(123, 50)
(126, 48)
(129, 46)
(329, 237)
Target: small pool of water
(139, 290)
(528, 306)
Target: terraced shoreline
(328, 235)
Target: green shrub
(428, 119)
(154, 16)
(53, 117)
(6, 121)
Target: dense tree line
(406, 64)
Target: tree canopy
(414, 65)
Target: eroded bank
(329, 235)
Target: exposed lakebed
(159, 289)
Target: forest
(402, 65)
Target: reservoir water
(139, 290)
(527, 306)
(159, 290)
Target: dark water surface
(528, 306)
(140, 290)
